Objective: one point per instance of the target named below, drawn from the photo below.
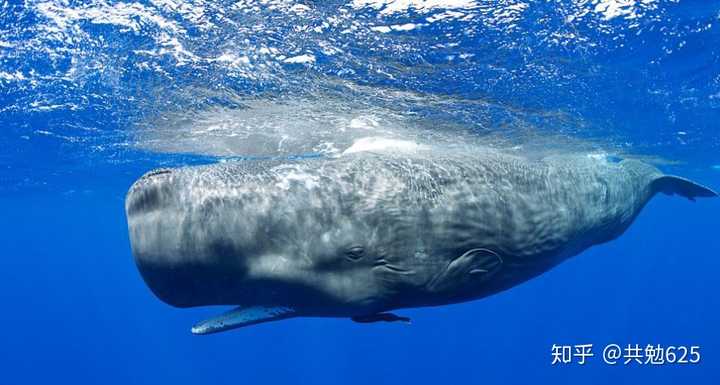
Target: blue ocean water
(95, 93)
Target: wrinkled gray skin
(370, 232)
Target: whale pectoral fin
(381, 317)
(472, 267)
(239, 317)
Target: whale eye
(355, 252)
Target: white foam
(445, 15)
(65, 22)
(300, 59)
(381, 28)
(405, 27)
(232, 59)
(299, 8)
(383, 144)
(17, 76)
(131, 16)
(627, 9)
(388, 7)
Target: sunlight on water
(104, 82)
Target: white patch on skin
(598, 155)
(298, 176)
(325, 238)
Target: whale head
(270, 236)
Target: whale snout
(154, 216)
(185, 259)
(147, 192)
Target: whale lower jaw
(242, 316)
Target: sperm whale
(376, 229)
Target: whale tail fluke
(670, 184)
